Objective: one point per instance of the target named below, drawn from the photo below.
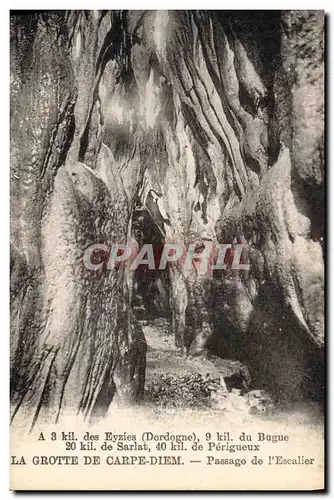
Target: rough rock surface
(213, 125)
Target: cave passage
(150, 298)
(185, 127)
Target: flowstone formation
(188, 127)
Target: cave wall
(238, 113)
(212, 123)
(74, 343)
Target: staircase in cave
(176, 382)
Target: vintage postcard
(167, 250)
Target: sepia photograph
(167, 252)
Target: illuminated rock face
(213, 121)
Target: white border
(4, 186)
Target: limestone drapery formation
(214, 126)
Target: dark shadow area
(281, 357)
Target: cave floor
(179, 382)
(164, 357)
(184, 383)
(183, 392)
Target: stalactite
(204, 122)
